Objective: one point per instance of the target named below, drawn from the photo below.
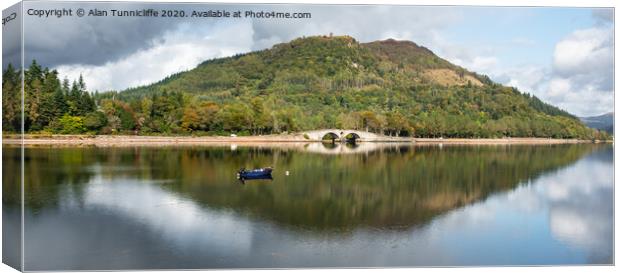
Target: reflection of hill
(391, 187)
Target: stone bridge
(342, 135)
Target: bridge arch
(330, 136)
(351, 137)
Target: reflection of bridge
(350, 148)
(342, 135)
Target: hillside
(320, 64)
(391, 87)
(604, 122)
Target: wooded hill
(390, 87)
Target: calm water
(365, 206)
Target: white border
(558, 3)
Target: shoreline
(129, 140)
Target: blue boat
(264, 173)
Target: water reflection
(349, 147)
(580, 206)
(573, 205)
(180, 207)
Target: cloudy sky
(562, 55)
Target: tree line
(292, 102)
(48, 103)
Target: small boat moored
(263, 173)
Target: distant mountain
(604, 122)
(389, 86)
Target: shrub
(69, 125)
(95, 121)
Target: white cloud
(583, 52)
(420, 25)
(559, 87)
(176, 51)
(479, 59)
(526, 78)
(580, 77)
(483, 64)
(486, 65)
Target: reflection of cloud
(582, 215)
(525, 198)
(503, 221)
(137, 224)
(573, 205)
(557, 191)
(180, 222)
(586, 225)
(580, 204)
(569, 225)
